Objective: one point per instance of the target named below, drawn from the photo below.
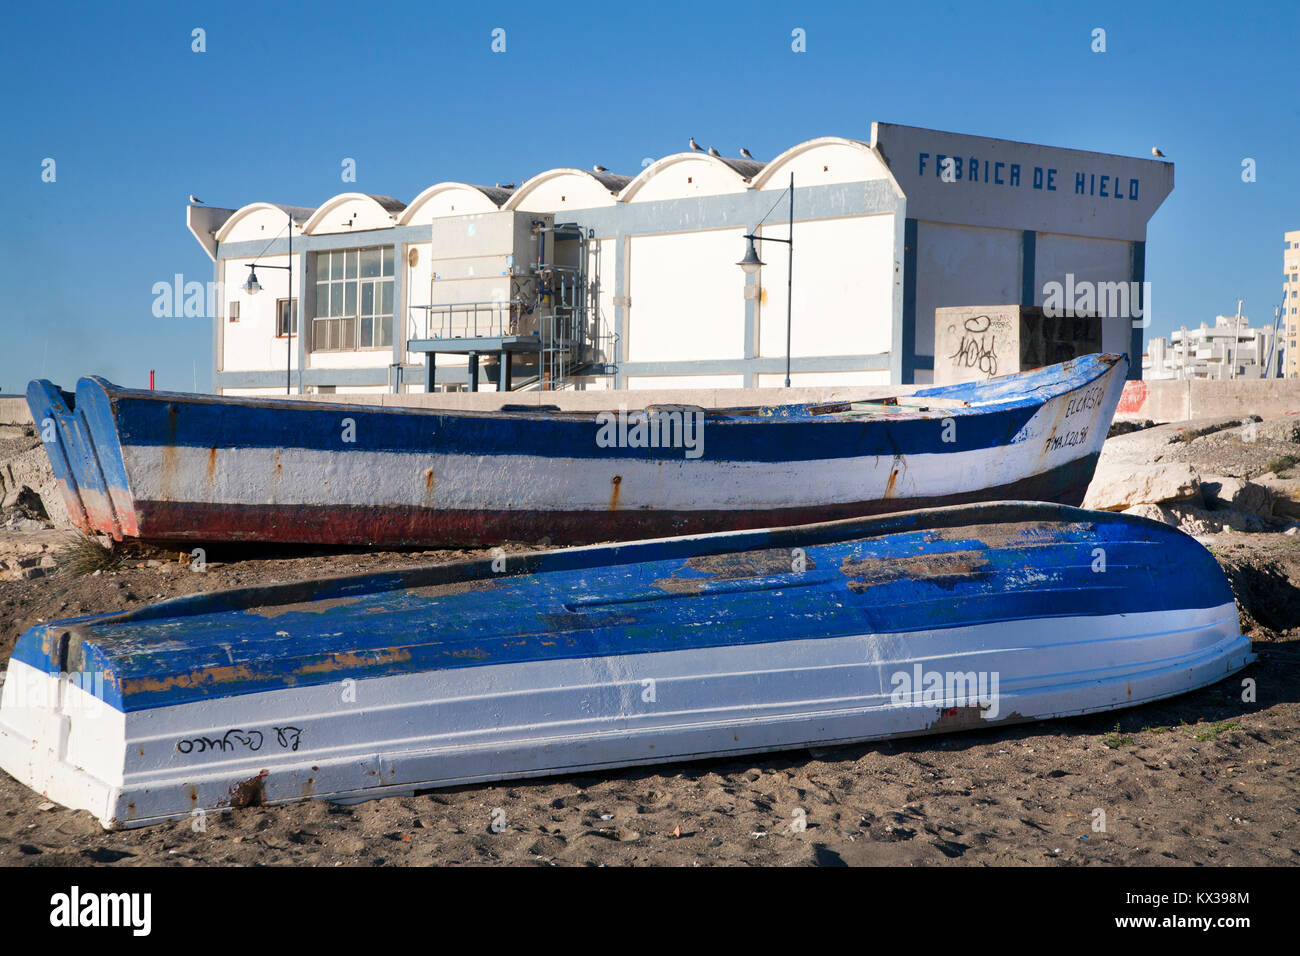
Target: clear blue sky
(136, 121)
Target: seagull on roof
(1155, 151)
(714, 152)
(746, 153)
(194, 199)
(599, 169)
(696, 146)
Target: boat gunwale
(790, 413)
(610, 554)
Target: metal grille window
(354, 299)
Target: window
(286, 311)
(233, 312)
(354, 299)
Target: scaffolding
(552, 316)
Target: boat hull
(591, 658)
(187, 468)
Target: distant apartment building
(1226, 350)
(1291, 299)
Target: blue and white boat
(174, 467)
(582, 659)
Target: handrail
(482, 318)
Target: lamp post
(752, 263)
(252, 287)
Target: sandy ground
(1202, 779)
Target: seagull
(1155, 151)
(746, 153)
(696, 146)
(599, 169)
(194, 199)
(714, 152)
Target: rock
(1198, 522)
(1154, 512)
(26, 500)
(1286, 430)
(1124, 427)
(18, 523)
(1120, 486)
(1285, 492)
(31, 467)
(1236, 494)
(25, 574)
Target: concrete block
(972, 343)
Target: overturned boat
(582, 659)
(174, 467)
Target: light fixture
(252, 287)
(751, 263)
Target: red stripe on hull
(406, 526)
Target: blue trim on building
(1028, 255)
(1135, 336)
(907, 347)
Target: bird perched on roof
(194, 199)
(599, 169)
(1155, 151)
(696, 146)
(746, 153)
(714, 152)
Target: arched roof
(383, 209)
(826, 159)
(736, 173)
(300, 216)
(588, 188)
(473, 198)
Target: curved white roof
(565, 188)
(453, 199)
(262, 220)
(352, 212)
(827, 159)
(690, 174)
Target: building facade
(594, 280)
(1229, 349)
(1290, 319)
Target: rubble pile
(1206, 476)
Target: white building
(1228, 349)
(1290, 316)
(599, 280)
